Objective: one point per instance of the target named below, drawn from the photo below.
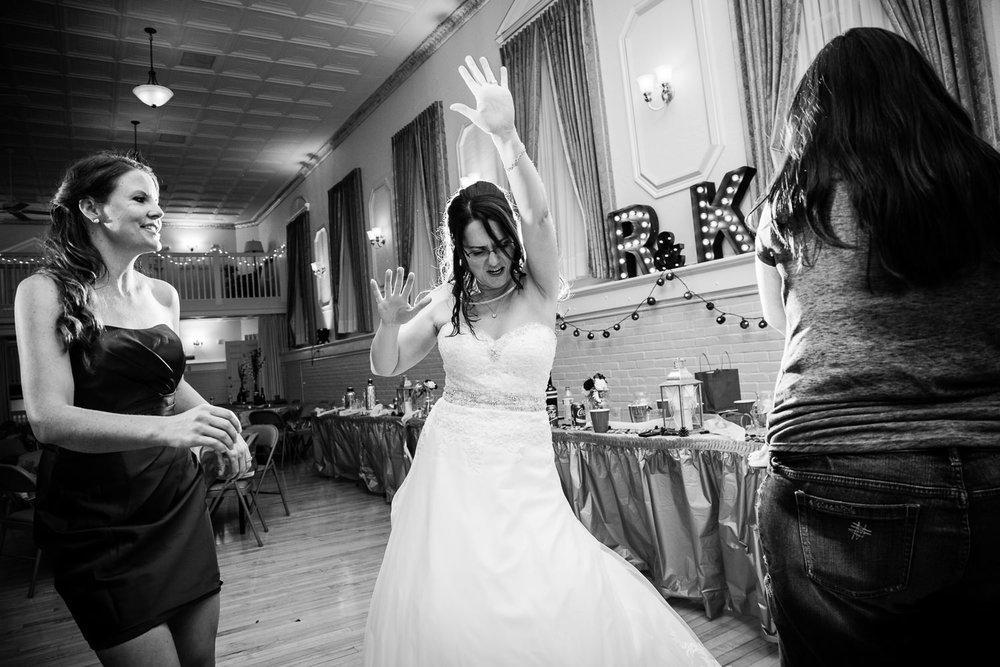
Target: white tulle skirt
(486, 564)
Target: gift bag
(720, 387)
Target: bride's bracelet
(517, 159)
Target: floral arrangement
(424, 390)
(249, 369)
(597, 391)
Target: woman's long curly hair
(485, 202)
(871, 114)
(70, 257)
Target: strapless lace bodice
(509, 372)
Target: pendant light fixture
(134, 153)
(152, 93)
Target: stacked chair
(17, 493)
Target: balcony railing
(209, 284)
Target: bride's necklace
(487, 302)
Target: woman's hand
(240, 460)
(394, 307)
(494, 112)
(204, 426)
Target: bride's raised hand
(394, 305)
(494, 112)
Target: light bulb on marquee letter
(717, 216)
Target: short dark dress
(127, 533)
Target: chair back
(14, 481)
(258, 417)
(266, 435)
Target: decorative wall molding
(455, 20)
(694, 98)
(720, 278)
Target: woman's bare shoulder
(39, 288)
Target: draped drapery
(300, 306)
(347, 222)
(521, 55)
(272, 336)
(952, 37)
(565, 31)
(420, 172)
(765, 34)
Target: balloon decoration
(717, 216)
(641, 246)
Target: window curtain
(951, 35)
(272, 337)
(420, 172)
(522, 56)
(350, 270)
(300, 306)
(565, 32)
(766, 38)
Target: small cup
(599, 419)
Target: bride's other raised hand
(393, 302)
(494, 112)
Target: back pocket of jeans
(856, 550)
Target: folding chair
(268, 440)
(258, 417)
(242, 486)
(17, 488)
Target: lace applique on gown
(486, 564)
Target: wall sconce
(647, 86)
(317, 269)
(376, 237)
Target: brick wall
(637, 358)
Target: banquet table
(370, 449)
(679, 509)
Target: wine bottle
(552, 401)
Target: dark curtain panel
(405, 174)
(301, 304)
(567, 29)
(429, 127)
(347, 219)
(521, 55)
(765, 35)
(952, 37)
(420, 172)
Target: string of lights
(650, 300)
(20, 259)
(239, 259)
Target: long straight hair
(70, 257)
(871, 114)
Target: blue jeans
(883, 558)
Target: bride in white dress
(486, 563)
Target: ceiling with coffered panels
(261, 88)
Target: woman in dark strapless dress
(120, 508)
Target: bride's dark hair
(70, 257)
(486, 202)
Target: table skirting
(679, 509)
